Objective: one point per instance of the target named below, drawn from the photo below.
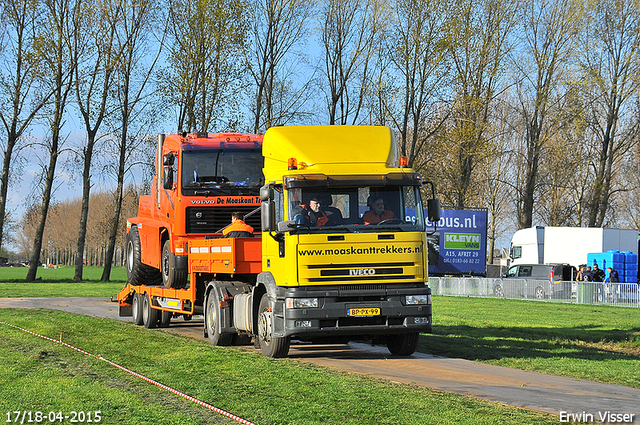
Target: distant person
(238, 228)
(597, 273)
(613, 275)
(377, 213)
(311, 214)
(580, 273)
(586, 275)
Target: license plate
(359, 312)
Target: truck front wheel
(271, 346)
(138, 273)
(403, 344)
(212, 318)
(172, 277)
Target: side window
(525, 271)
(516, 252)
(512, 271)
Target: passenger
(377, 213)
(238, 228)
(312, 214)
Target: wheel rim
(129, 256)
(539, 293)
(212, 318)
(145, 310)
(135, 306)
(264, 326)
(165, 266)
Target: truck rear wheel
(212, 319)
(172, 277)
(403, 344)
(271, 346)
(165, 318)
(136, 309)
(149, 315)
(139, 273)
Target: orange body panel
(232, 256)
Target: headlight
(302, 303)
(417, 299)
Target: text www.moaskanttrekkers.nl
(388, 249)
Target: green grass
(597, 343)
(59, 282)
(38, 375)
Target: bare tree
(204, 39)
(57, 22)
(611, 66)
(480, 44)
(549, 29)
(351, 36)
(98, 55)
(132, 104)
(20, 100)
(278, 29)
(417, 51)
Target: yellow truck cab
(344, 245)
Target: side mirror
(266, 193)
(168, 177)
(168, 159)
(433, 210)
(286, 226)
(268, 215)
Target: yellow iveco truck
(340, 254)
(343, 245)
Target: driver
(311, 214)
(376, 213)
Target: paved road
(529, 390)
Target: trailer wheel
(138, 273)
(271, 346)
(172, 277)
(149, 315)
(212, 319)
(136, 307)
(165, 318)
(403, 344)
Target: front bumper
(389, 312)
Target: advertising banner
(459, 245)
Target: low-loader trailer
(338, 254)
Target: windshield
(356, 209)
(216, 169)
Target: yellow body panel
(338, 149)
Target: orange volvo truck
(339, 251)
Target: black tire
(172, 277)
(149, 315)
(165, 318)
(403, 344)
(271, 346)
(539, 293)
(211, 321)
(138, 273)
(136, 309)
(498, 291)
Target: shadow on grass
(494, 343)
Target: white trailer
(568, 245)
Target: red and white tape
(99, 357)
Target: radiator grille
(212, 219)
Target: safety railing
(616, 294)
